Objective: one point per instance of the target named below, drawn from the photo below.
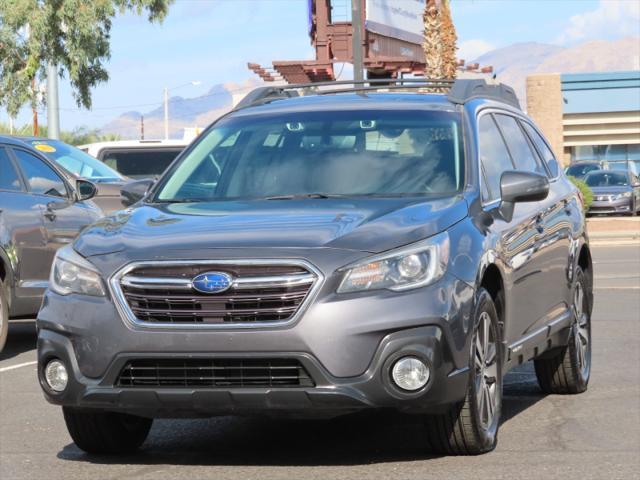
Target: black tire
(463, 430)
(106, 432)
(566, 370)
(4, 317)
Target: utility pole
(53, 111)
(34, 111)
(166, 113)
(356, 36)
(141, 127)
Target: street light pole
(166, 113)
(356, 36)
(53, 112)
(166, 105)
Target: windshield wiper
(182, 200)
(303, 195)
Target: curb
(615, 241)
(633, 235)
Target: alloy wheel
(486, 371)
(581, 334)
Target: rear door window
(9, 179)
(140, 163)
(544, 151)
(41, 178)
(521, 150)
(494, 157)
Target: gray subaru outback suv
(322, 250)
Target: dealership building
(589, 116)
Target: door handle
(540, 224)
(567, 207)
(50, 214)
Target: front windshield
(607, 179)
(76, 161)
(350, 153)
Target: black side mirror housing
(85, 189)
(516, 187)
(133, 192)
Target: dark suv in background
(348, 248)
(42, 208)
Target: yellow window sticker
(43, 147)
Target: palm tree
(449, 38)
(439, 40)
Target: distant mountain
(514, 63)
(183, 112)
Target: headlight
(624, 195)
(408, 267)
(73, 274)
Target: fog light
(56, 375)
(410, 373)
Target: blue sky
(212, 41)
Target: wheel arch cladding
(493, 282)
(585, 263)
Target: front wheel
(106, 432)
(471, 427)
(566, 370)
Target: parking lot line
(616, 288)
(19, 365)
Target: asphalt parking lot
(594, 435)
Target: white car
(136, 158)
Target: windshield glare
(607, 179)
(333, 153)
(581, 170)
(76, 161)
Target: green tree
(586, 192)
(439, 40)
(73, 34)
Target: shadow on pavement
(520, 391)
(366, 438)
(22, 338)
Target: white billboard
(400, 19)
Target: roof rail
(460, 91)
(466, 90)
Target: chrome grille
(214, 373)
(161, 293)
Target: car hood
(609, 190)
(367, 225)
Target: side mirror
(516, 187)
(85, 189)
(133, 192)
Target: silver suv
(324, 249)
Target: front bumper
(331, 396)
(347, 343)
(623, 205)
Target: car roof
(352, 101)
(136, 143)
(13, 140)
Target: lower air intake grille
(214, 373)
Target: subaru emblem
(212, 282)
